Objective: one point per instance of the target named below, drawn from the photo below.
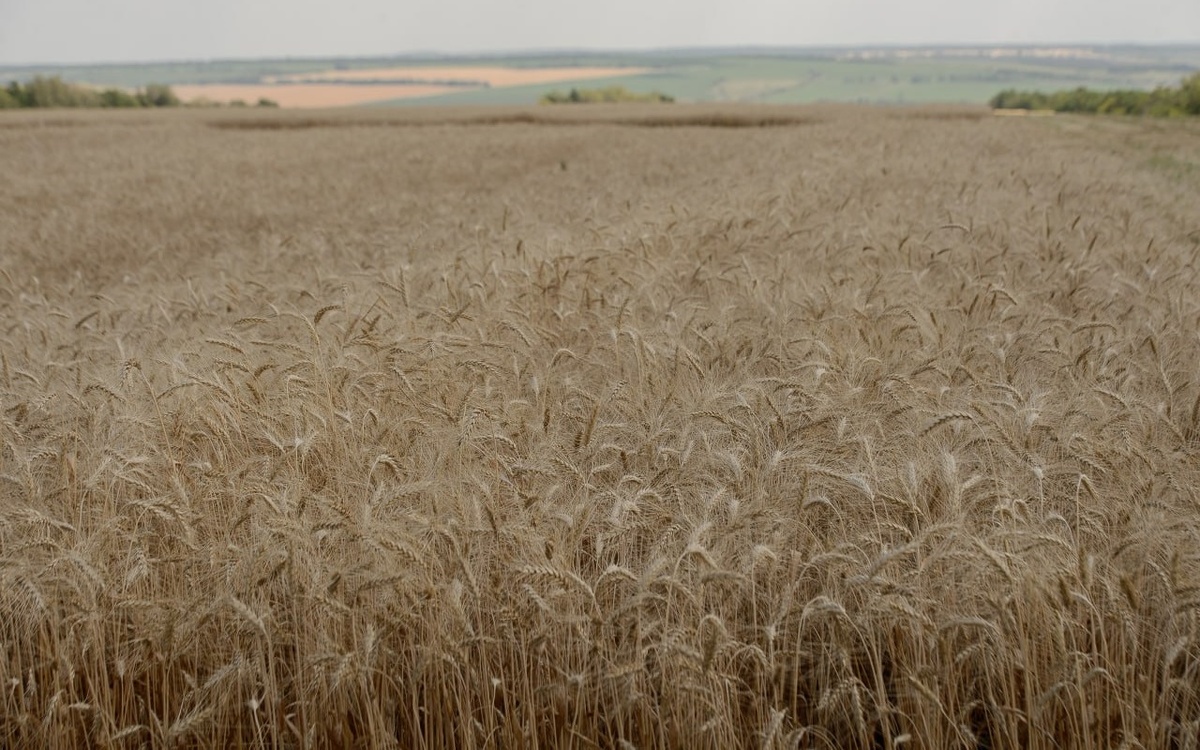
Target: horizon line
(613, 51)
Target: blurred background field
(891, 75)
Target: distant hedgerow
(1161, 102)
(53, 91)
(607, 95)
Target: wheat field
(695, 428)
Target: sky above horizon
(77, 31)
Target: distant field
(306, 95)
(462, 75)
(883, 75)
(892, 80)
(336, 88)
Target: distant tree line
(53, 91)
(1164, 101)
(610, 94)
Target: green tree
(53, 91)
(1189, 94)
(158, 95)
(7, 100)
(118, 98)
(17, 92)
(1124, 103)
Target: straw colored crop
(868, 429)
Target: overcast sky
(40, 31)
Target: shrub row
(53, 91)
(1160, 102)
(610, 94)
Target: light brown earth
(307, 95)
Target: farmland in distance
(631, 427)
(892, 75)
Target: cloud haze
(39, 31)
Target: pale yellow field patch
(342, 88)
(308, 94)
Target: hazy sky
(35, 31)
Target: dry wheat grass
(879, 433)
